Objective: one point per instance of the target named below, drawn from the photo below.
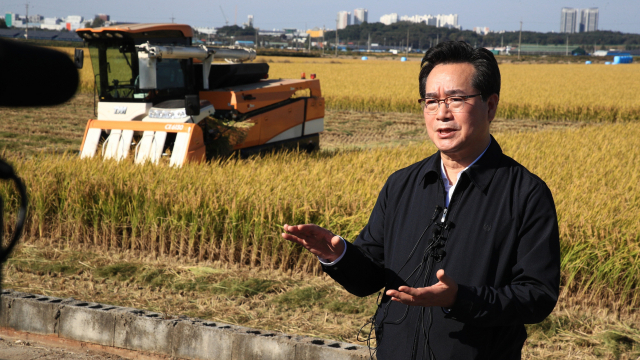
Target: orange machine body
(266, 126)
(271, 113)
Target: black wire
(428, 257)
(6, 172)
(371, 320)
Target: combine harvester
(156, 91)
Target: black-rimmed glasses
(454, 103)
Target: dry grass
(271, 300)
(45, 129)
(346, 129)
(293, 303)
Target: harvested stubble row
(233, 211)
(551, 92)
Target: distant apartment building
(447, 21)
(35, 19)
(344, 19)
(589, 20)
(104, 17)
(74, 22)
(10, 19)
(574, 20)
(389, 19)
(360, 16)
(427, 19)
(568, 20)
(53, 23)
(481, 30)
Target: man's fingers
(404, 294)
(444, 278)
(411, 291)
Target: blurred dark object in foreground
(35, 76)
(31, 76)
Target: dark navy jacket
(499, 242)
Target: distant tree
(97, 22)
(422, 35)
(235, 31)
(3, 24)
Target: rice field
(549, 92)
(574, 92)
(233, 211)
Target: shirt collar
(442, 171)
(480, 172)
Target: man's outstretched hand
(319, 241)
(441, 294)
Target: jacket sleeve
(534, 288)
(361, 270)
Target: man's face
(461, 134)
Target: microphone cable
(371, 321)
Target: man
(465, 242)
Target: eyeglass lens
(453, 103)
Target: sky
(541, 15)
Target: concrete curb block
(140, 330)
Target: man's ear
(492, 106)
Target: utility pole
(406, 51)
(172, 18)
(502, 41)
(520, 40)
(369, 43)
(437, 38)
(323, 30)
(256, 38)
(235, 20)
(26, 34)
(336, 37)
(567, 51)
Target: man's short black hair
(487, 77)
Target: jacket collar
(479, 173)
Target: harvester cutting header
(157, 93)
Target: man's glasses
(454, 103)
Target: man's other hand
(319, 241)
(442, 294)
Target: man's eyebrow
(446, 92)
(454, 92)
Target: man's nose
(443, 112)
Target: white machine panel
(314, 126)
(90, 143)
(115, 111)
(294, 132)
(179, 149)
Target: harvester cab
(156, 91)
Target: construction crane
(226, 22)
